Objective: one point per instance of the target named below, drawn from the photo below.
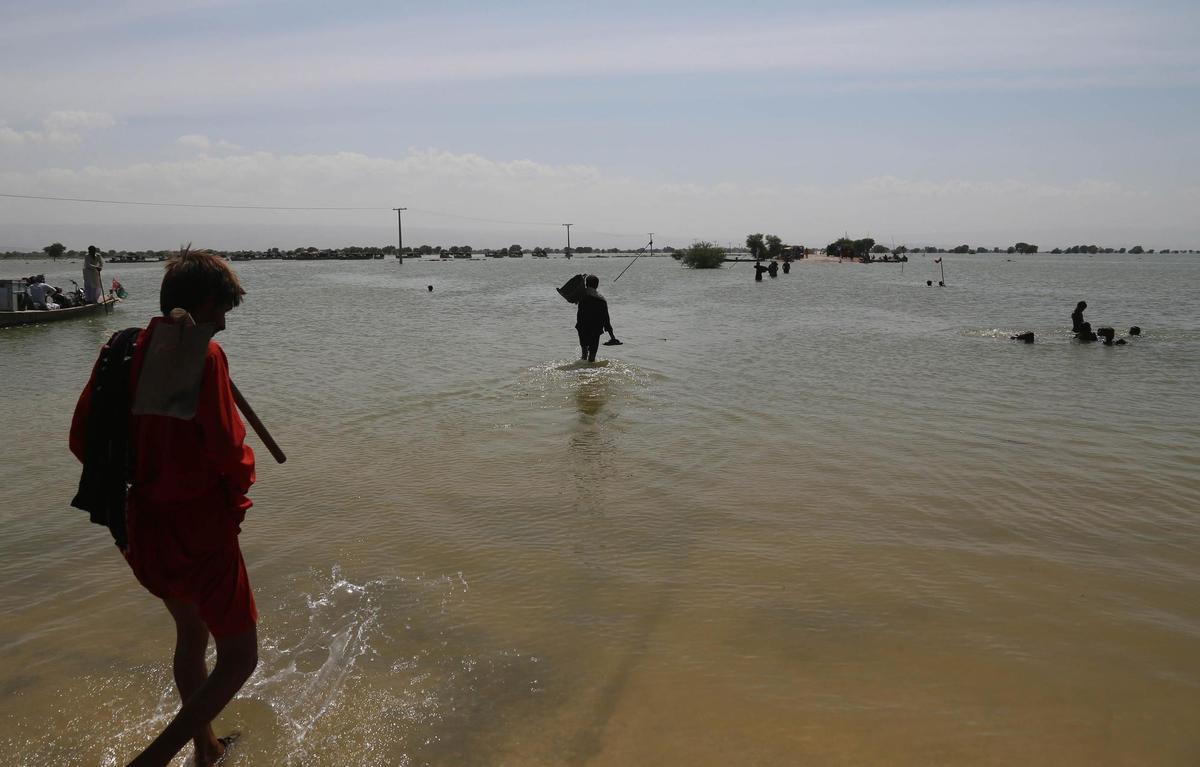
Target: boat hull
(39, 316)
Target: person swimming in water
(1107, 335)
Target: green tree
(1137, 250)
(848, 248)
(514, 248)
(880, 249)
(704, 255)
(55, 251)
(843, 247)
(756, 246)
(774, 246)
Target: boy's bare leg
(236, 658)
(191, 644)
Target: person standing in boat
(93, 262)
(591, 319)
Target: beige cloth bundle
(173, 368)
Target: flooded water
(833, 518)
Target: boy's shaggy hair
(193, 276)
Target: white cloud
(205, 144)
(478, 192)
(62, 128)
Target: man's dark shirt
(592, 316)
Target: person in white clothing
(37, 294)
(92, 264)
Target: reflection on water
(778, 517)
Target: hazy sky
(934, 122)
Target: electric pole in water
(652, 244)
(568, 253)
(400, 235)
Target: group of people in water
(41, 295)
(772, 269)
(1083, 331)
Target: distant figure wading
(591, 319)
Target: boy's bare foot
(213, 757)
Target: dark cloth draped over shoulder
(108, 460)
(592, 315)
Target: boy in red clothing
(185, 504)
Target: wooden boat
(38, 316)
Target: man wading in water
(591, 319)
(188, 479)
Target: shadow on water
(599, 395)
(594, 444)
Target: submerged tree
(703, 255)
(55, 251)
(845, 247)
(756, 246)
(774, 246)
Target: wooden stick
(257, 425)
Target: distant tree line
(758, 245)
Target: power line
(229, 206)
(232, 207)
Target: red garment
(188, 497)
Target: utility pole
(652, 244)
(568, 253)
(400, 235)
